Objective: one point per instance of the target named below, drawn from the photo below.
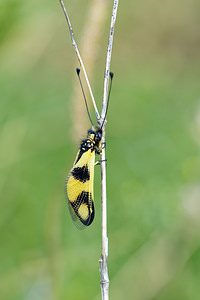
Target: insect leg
(98, 162)
(103, 145)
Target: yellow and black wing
(79, 189)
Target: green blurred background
(153, 167)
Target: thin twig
(108, 59)
(104, 283)
(79, 58)
(91, 36)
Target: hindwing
(79, 189)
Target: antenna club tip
(78, 71)
(111, 75)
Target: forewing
(79, 190)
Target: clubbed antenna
(111, 78)
(78, 73)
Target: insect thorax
(93, 140)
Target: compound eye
(98, 136)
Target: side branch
(79, 57)
(108, 59)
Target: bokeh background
(153, 152)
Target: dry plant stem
(104, 283)
(79, 57)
